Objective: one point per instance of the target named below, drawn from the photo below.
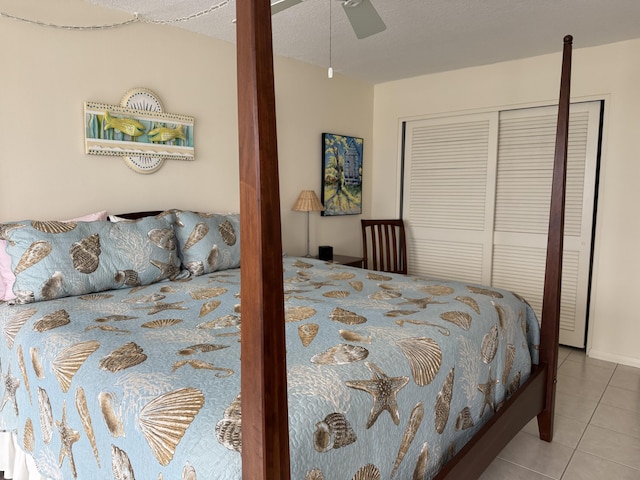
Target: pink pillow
(7, 278)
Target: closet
(475, 201)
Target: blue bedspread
(387, 373)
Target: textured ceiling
(422, 36)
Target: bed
(345, 373)
(145, 380)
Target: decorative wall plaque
(138, 130)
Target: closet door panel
(448, 193)
(524, 170)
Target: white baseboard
(610, 357)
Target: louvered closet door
(476, 202)
(523, 188)
(448, 196)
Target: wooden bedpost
(265, 438)
(550, 331)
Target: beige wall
(610, 72)
(48, 74)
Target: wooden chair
(384, 245)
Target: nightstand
(347, 260)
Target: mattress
(388, 375)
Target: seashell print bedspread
(388, 375)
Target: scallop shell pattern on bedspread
(314, 474)
(470, 302)
(296, 314)
(85, 254)
(15, 323)
(356, 285)
(228, 233)
(368, 472)
(52, 320)
(225, 321)
(229, 429)
(204, 293)
(208, 307)
(340, 355)
(122, 469)
(162, 323)
(128, 355)
(378, 277)
(333, 432)
(345, 316)
(461, 319)
(53, 226)
(165, 419)
(342, 276)
(484, 291)
(437, 290)
(69, 361)
(424, 356)
(336, 294)
(32, 255)
(443, 403)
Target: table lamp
(308, 202)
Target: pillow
(6, 275)
(208, 242)
(7, 278)
(56, 259)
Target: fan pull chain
(330, 71)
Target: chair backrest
(384, 246)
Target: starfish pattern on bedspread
(11, 385)
(68, 436)
(383, 389)
(487, 390)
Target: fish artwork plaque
(139, 131)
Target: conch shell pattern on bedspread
(388, 375)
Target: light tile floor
(597, 428)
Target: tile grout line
(575, 449)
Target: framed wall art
(341, 174)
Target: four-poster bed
(352, 369)
(266, 455)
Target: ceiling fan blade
(364, 19)
(280, 5)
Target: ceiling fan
(361, 14)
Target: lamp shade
(308, 202)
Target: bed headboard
(136, 215)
